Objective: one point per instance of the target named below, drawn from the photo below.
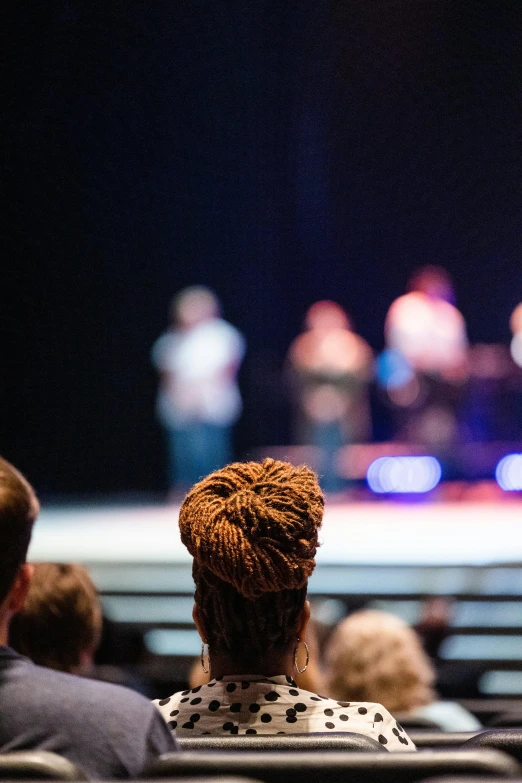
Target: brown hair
(18, 511)
(376, 656)
(61, 617)
(252, 531)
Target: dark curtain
(279, 152)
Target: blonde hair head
(375, 656)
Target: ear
(303, 620)
(198, 621)
(18, 592)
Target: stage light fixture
(508, 473)
(403, 474)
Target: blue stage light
(508, 472)
(403, 474)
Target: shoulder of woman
(169, 703)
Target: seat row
(332, 758)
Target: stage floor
(357, 533)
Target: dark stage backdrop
(279, 152)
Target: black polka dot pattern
(262, 705)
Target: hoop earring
(203, 658)
(305, 667)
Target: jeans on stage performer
(198, 400)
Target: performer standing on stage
(331, 368)
(426, 363)
(198, 400)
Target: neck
(270, 665)
(4, 631)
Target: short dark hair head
(61, 617)
(19, 508)
(252, 529)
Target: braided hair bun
(254, 525)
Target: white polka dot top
(275, 705)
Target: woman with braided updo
(252, 529)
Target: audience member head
(375, 656)
(252, 529)
(18, 511)
(60, 623)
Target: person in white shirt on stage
(198, 400)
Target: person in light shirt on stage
(330, 369)
(426, 362)
(198, 400)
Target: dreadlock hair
(252, 530)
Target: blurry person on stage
(198, 359)
(330, 367)
(425, 366)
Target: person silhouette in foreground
(107, 731)
(252, 529)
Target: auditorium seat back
(334, 766)
(440, 739)
(346, 741)
(37, 765)
(506, 740)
